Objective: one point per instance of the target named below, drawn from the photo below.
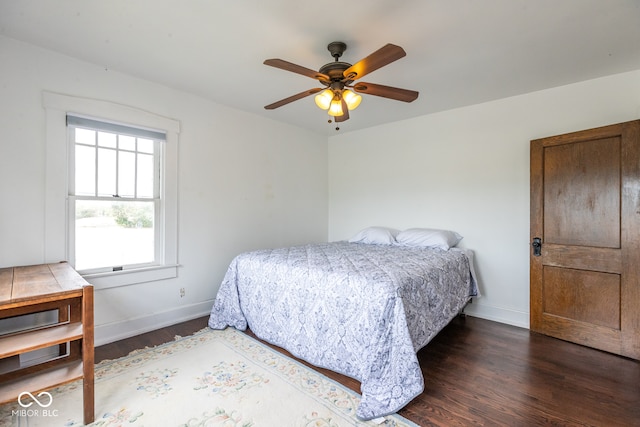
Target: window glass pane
(106, 172)
(85, 136)
(113, 233)
(126, 174)
(145, 175)
(85, 171)
(106, 139)
(145, 145)
(127, 143)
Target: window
(111, 163)
(114, 195)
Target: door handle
(537, 246)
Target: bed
(360, 309)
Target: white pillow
(429, 238)
(376, 236)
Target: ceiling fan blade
(292, 98)
(386, 91)
(381, 57)
(294, 68)
(345, 113)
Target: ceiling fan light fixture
(337, 76)
(335, 109)
(352, 99)
(324, 98)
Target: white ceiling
(459, 52)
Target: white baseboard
(498, 314)
(111, 332)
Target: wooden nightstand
(56, 289)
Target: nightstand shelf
(43, 380)
(34, 340)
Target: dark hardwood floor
(479, 372)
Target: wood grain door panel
(585, 258)
(585, 208)
(584, 296)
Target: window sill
(114, 279)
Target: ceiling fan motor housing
(335, 70)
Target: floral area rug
(212, 378)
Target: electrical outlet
(182, 292)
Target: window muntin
(114, 194)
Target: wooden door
(585, 210)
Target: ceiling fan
(339, 79)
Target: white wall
(468, 170)
(244, 183)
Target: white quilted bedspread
(358, 309)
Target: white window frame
(159, 141)
(57, 233)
